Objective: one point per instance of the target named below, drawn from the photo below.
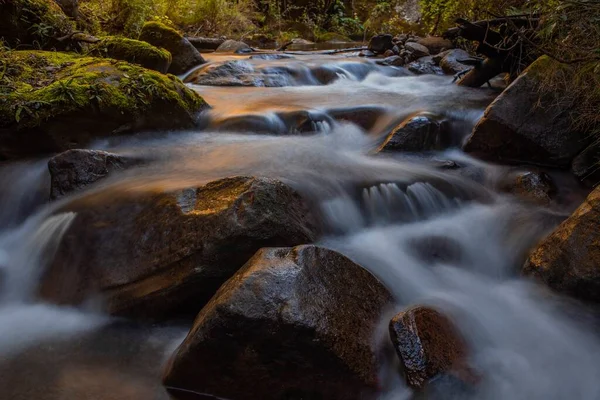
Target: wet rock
(450, 64)
(395, 61)
(524, 125)
(366, 53)
(237, 73)
(435, 44)
(271, 56)
(233, 46)
(184, 55)
(163, 254)
(416, 50)
(424, 66)
(75, 169)
(291, 324)
(429, 347)
(60, 101)
(422, 132)
(396, 50)
(19, 19)
(586, 166)
(365, 117)
(388, 53)
(132, 51)
(568, 260)
(532, 186)
(380, 43)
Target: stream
(315, 122)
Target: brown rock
(586, 166)
(436, 44)
(450, 64)
(568, 260)
(291, 324)
(416, 50)
(532, 186)
(421, 132)
(75, 169)
(428, 346)
(170, 252)
(522, 125)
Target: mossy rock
(51, 102)
(133, 51)
(33, 24)
(185, 55)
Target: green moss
(332, 36)
(38, 86)
(160, 35)
(133, 51)
(33, 23)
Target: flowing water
(431, 235)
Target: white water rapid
(431, 235)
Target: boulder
(184, 55)
(525, 125)
(425, 66)
(532, 186)
(416, 50)
(291, 324)
(586, 166)
(165, 254)
(380, 43)
(133, 51)
(395, 61)
(59, 101)
(75, 169)
(202, 43)
(33, 23)
(568, 260)
(388, 53)
(435, 44)
(429, 346)
(450, 64)
(233, 46)
(421, 132)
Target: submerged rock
(568, 260)
(59, 101)
(33, 23)
(532, 186)
(525, 125)
(234, 46)
(133, 51)
(291, 324)
(393, 61)
(429, 347)
(75, 169)
(422, 132)
(184, 55)
(380, 43)
(163, 254)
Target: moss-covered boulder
(33, 24)
(133, 51)
(185, 55)
(51, 102)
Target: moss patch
(133, 51)
(160, 35)
(63, 100)
(33, 23)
